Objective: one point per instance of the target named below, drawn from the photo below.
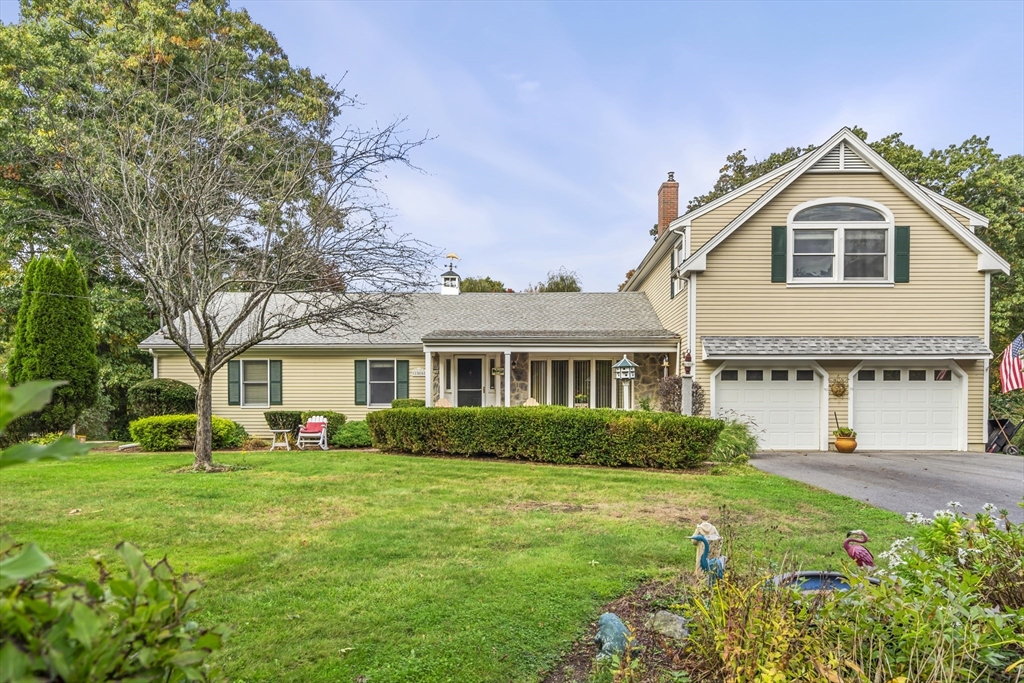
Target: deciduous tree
(481, 284)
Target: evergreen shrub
(611, 438)
(284, 419)
(161, 397)
(408, 403)
(353, 435)
(171, 432)
(334, 420)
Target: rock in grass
(669, 625)
(612, 636)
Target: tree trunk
(204, 428)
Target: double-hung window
(256, 383)
(382, 382)
(840, 242)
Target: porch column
(429, 395)
(507, 377)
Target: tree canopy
(481, 284)
(561, 280)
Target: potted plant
(846, 440)
(581, 401)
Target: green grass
(342, 564)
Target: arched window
(840, 239)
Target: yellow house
(831, 291)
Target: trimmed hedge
(334, 420)
(284, 419)
(161, 397)
(353, 435)
(553, 434)
(408, 403)
(169, 432)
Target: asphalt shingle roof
(554, 315)
(823, 347)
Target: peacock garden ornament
(713, 567)
(854, 547)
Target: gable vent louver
(841, 158)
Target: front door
(471, 382)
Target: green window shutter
(671, 278)
(402, 379)
(779, 253)
(234, 383)
(901, 266)
(275, 383)
(360, 382)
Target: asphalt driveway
(906, 481)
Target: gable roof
(610, 316)
(988, 260)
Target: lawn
(336, 565)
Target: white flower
(961, 555)
(954, 504)
(989, 508)
(939, 514)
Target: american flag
(1011, 368)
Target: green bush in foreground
(284, 419)
(353, 435)
(136, 627)
(334, 420)
(161, 396)
(549, 434)
(408, 403)
(737, 439)
(170, 432)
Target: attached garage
(784, 404)
(906, 408)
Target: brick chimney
(668, 203)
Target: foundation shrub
(284, 419)
(335, 421)
(171, 432)
(552, 434)
(161, 397)
(408, 403)
(353, 435)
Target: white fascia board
(656, 253)
(973, 217)
(610, 349)
(763, 358)
(271, 347)
(683, 222)
(696, 264)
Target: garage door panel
(787, 412)
(905, 414)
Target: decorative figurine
(714, 567)
(708, 531)
(861, 555)
(612, 636)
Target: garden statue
(714, 567)
(708, 531)
(612, 636)
(861, 555)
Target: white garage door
(906, 408)
(783, 403)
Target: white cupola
(450, 280)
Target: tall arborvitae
(55, 340)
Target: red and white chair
(313, 433)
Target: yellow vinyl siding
(672, 311)
(707, 226)
(311, 379)
(945, 295)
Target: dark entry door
(471, 381)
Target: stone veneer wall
(520, 371)
(648, 375)
(435, 381)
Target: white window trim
(369, 382)
(572, 377)
(677, 284)
(838, 244)
(242, 383)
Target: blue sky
(554, 123)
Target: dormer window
(840, 240)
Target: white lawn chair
(313, 433)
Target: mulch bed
(657, 653)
